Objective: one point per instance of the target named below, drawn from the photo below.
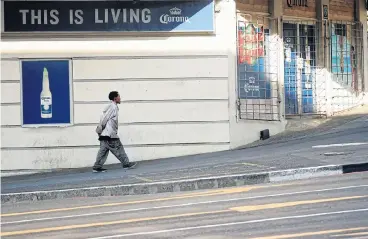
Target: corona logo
(174, 17)
(175, 11)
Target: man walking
(107, 130)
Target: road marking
(235, 224)
(337, 153)
(238, 209)
(185, 196)
(291, 204)
(183, 205)
(352, 234)
(253, 164)
(339, 145)
(186, 204)
(79, 226)
(311, 233)
(179, 205)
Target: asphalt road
(329, 207)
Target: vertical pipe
(298, 71)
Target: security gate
(258, 55)
(323, 67)
(346, 54)
(302, 85)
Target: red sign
(250, 43)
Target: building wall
(342, 10)
(300, 12)
(253, 6)
(174, 91)
(186, 117)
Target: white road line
(182, 205)
(339, 145)
(232, 224)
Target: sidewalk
(251, 165)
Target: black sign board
(297, 3)
(113, 16)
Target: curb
(187, 185)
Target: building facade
(321, 45)
(194, 76)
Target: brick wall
(342, 10)
(260, 6)
(296, 11)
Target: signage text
(117, 16)
(297, 3)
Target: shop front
(257, 73)
(322, 57)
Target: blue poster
(46, 93)
(252, 73)
(109, 16)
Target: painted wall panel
(10, 70)
(152, 90)
(150, 68)
(130, 135)
(85, 157)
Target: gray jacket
(108, 125)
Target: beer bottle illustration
(46, 96)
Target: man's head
(114, 96)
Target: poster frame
(71, 99)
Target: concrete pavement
(215, 170)
(329, 207)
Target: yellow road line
(311, 233)
(253, 164)
(185, 196)
(290, 204)
(70, 227)
(352, 234)
(238, 209)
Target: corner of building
(242, 129)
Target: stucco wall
(178, 109)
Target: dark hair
(113, 95)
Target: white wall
(173, 107)
(174, 91)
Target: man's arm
(110, 113)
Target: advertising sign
(46, 93)
(109, 16)
(251, 62)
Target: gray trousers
(116, 148)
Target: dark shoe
(99, 170)
(130, 165)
